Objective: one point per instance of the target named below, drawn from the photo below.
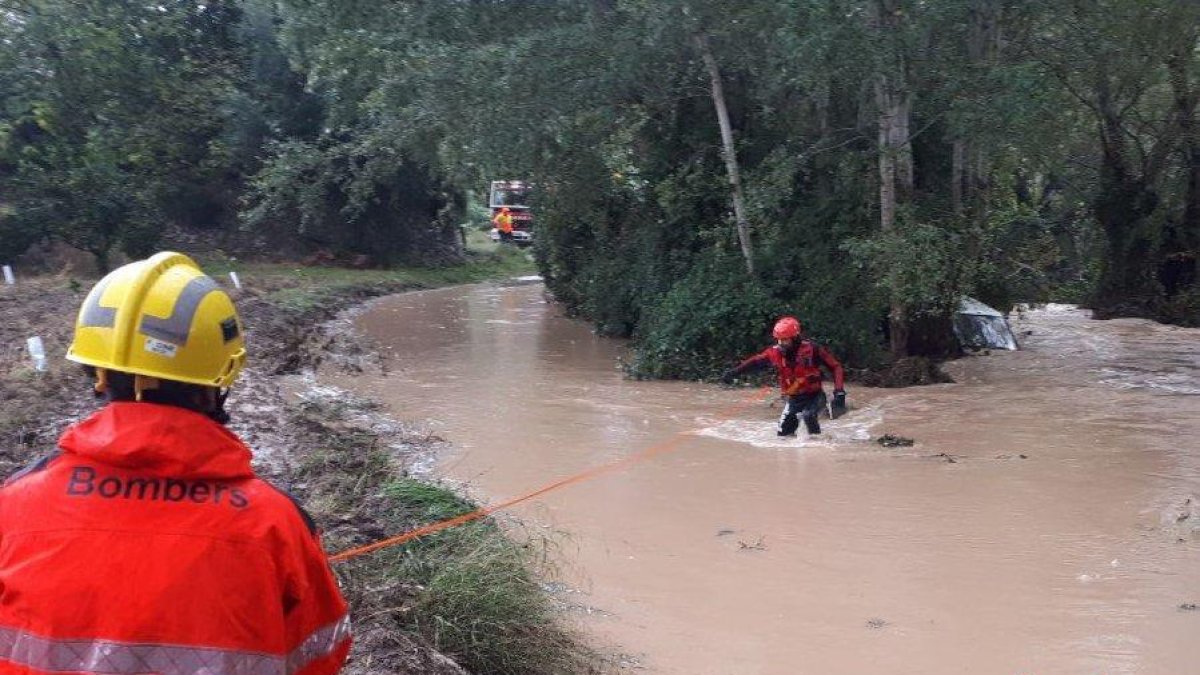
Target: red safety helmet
(786, 328)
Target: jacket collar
(158, 439)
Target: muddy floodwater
(1046, 519)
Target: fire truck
(515, 195)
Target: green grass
(497, 263)
(478, 241)
(302, 289)
(472, 592)
(480, 600)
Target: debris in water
(1189, 607)
(950, 459)
(1188, 510)
(1023, 456)
(724, 532)
(756, 546)
(876, 623)
(890, 441)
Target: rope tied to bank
(588, 474)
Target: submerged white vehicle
(978, 326)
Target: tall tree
(728, 147)
(1113, 57)
(894, 100)
(119, 130)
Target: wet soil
(34, 406)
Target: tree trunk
(887, 163)
(729, 150)
(983, 50)
(894, 102)
(102, 258)
(895, 187)
(1186, 99)
(958, 167)
(1121, 206)
(900, 139)
(1124, 201)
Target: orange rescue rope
(588, 474)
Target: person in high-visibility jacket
(797, 360)
(503, 221)
(145, 543)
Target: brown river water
(1044, 521)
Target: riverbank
(466, 600)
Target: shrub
(714, 311)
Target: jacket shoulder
(284, 504)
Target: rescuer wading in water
(797, 360)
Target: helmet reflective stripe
(95, 315)
(175, 328)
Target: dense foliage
(701, 166)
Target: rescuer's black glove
(839, 400)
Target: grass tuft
(471, 592)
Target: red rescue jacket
(147, 545)
(802, 375)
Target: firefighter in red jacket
(146, 544)
(798, 361)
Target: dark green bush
(715, 311)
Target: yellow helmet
(164, 318)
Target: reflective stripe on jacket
(802, 375)
(147, 545)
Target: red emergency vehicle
(513, 194)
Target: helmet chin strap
(143, 384)
(218, 412)
(101, 385)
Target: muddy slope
(292, 441)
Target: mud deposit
(1044, 520)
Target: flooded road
(1041, 523)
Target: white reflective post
(8, 276)
(236, 282)
(38, 352)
